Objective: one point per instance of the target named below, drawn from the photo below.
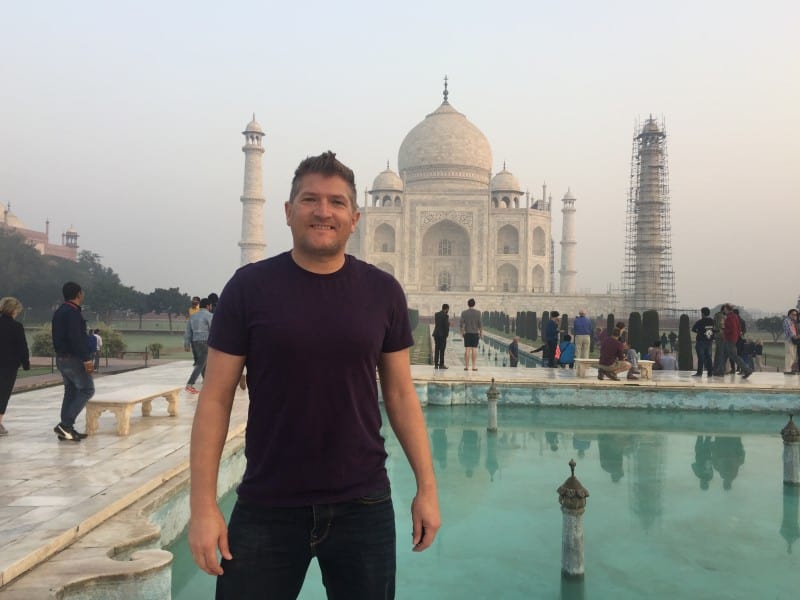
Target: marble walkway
(53, 492)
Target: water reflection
(469, 451)
(790, 527)
(612, 447)
(727, 456)
(439, 447)
(702, 466)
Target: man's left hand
(425, 519)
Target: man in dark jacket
(551, 335)
(73, 359)
(441, 329)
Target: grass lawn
(34, 371)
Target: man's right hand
(207, 532)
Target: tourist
(759, 352)
(98, 352)
(731, 334)
(196, 338)
(654, 353)
(667, 361)
(441, 329)
(513, 352)
(212, 302)
(719, 343)
(791, 337)
(13, 352)
(612, 358)
(582, 328)
(195, 306)
(73, 360)
(311, 325)
(551, 335)
(704, 332)
(471, 332)
(673, 337)
(566, 352)
(630, 353)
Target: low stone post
(791, 453)
(572, 497)
(491, 399)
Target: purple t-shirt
(312, 344)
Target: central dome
(445, 146)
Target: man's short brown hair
(328, 165)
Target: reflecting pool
(681, 505)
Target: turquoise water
(681, 506)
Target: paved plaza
(55, 492)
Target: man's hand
(207, 532)
(425, 519)
(186, 348)
(88, 366)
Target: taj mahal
(450, 230)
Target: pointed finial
(445, 88)
(254, 116)
(572, 465)
(504, 165)
(387, 165)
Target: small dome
(505, 181)
(253, 127)
(651, 126)
(71, 229)
(569, 195)
(387, 180)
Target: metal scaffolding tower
(648, 279)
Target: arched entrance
(445, 249)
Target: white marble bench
(582, 364)
(121, 403)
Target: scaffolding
(648, 280)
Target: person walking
(471, 332)
(73, 360)
(791, 336)
(513, 352)
(196, 338)
(730, 335)
(13, 352)
(99, 350)
(582, 328)
(441, 329)
(315, 484)
(704, 337)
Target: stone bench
(121, 403)
(582, 364)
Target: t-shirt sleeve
(398, 334)
(228, 332)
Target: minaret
(568, 246)
(648, 279)
(252, 242)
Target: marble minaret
(568, 245)
(252, 242)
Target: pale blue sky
(124, 120)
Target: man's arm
(408, 424)
(207, 528)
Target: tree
(169, 301)
(772, 325)
(531, 326)
(685, 358)
(650, 326)
(140, 304)
(635, 332)
(610, 324)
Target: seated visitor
(667, 361)
(612, 358)
(654, 353)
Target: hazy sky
(124, 119)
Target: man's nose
(322, 208)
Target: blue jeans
(703, 348)
(78, 388)
(354, 543)
(200, 351)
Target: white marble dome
(505, 181)
(388, 180)
(569, 195)
(444, 142)
(253, 127)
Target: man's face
(321, 216)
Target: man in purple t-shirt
(311, 326)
